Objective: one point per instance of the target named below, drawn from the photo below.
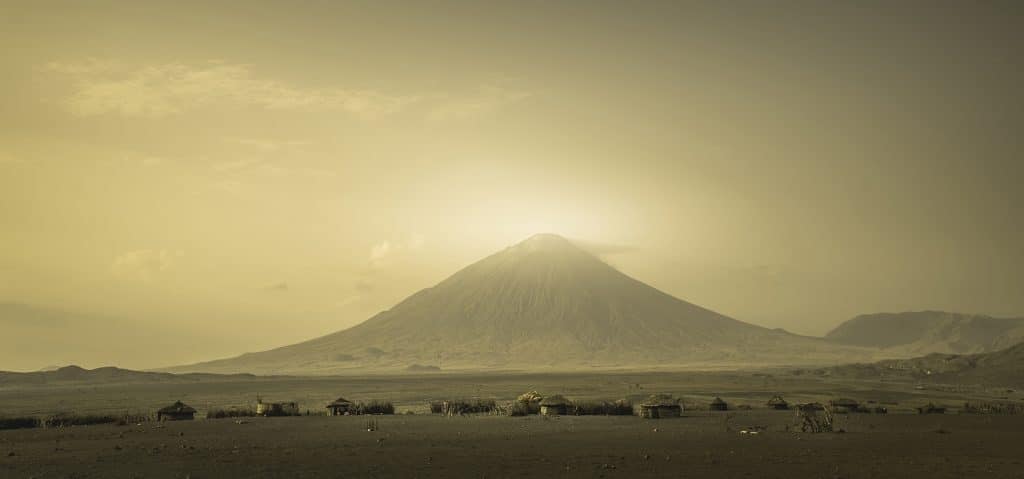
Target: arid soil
(702, 444)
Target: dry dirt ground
(703, 444)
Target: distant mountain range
(76, 375)
(924, 332)
(543, 303)
(1004, 368)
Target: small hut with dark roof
(659, 406)
(178, 411)
(718, 405)
(556, 405)
(776, 402)
(340, 407)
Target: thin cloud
(279, 287)
(264, 144)
(144, 265)
(380, 251)
(156, 91)
(486, 100)
(6, 159)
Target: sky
(182, 181)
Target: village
(812, 417)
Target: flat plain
(416, 444)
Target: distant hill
(106, 375)
(1000, 368)
(543, 303)
(925, 332)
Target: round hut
(718, 405)
(340, 407)
(556, 405)
(660, 406)
(178, 411)
(776, 402)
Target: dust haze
(509, 211)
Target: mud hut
(556, 405)
(660, 406)
(844, 405)
(178, 411)
(340, 407)
(776, 402)
(718, 405)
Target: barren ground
(701, 444)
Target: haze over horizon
(203, 182)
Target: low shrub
(621, 407)
(523, 408)
(19, 422)
(992, 408)
(71, 419)
(373, 407)
(464, 406)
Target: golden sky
(241, 175)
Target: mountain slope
(999, 368)
(543, 302)
(926, 332)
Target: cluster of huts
(655, 406)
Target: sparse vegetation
(992, 408)
(71, 419)
(814, 418)
(25, 422)
(422, 368)
(459, 407)
(621, 407)
(373, 407)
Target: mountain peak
(545, 241)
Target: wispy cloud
(487, 99)
(380, 251)
(279, 287)
(144, 265)
(7, 159)
(161, 90)
(386, 249)
(266, 144)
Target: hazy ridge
(924, 332)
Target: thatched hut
(718, 405)
(178, 411)
(340, 407)
(776, 402)
(556, 405)
(660, 406)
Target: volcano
(543, 303)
